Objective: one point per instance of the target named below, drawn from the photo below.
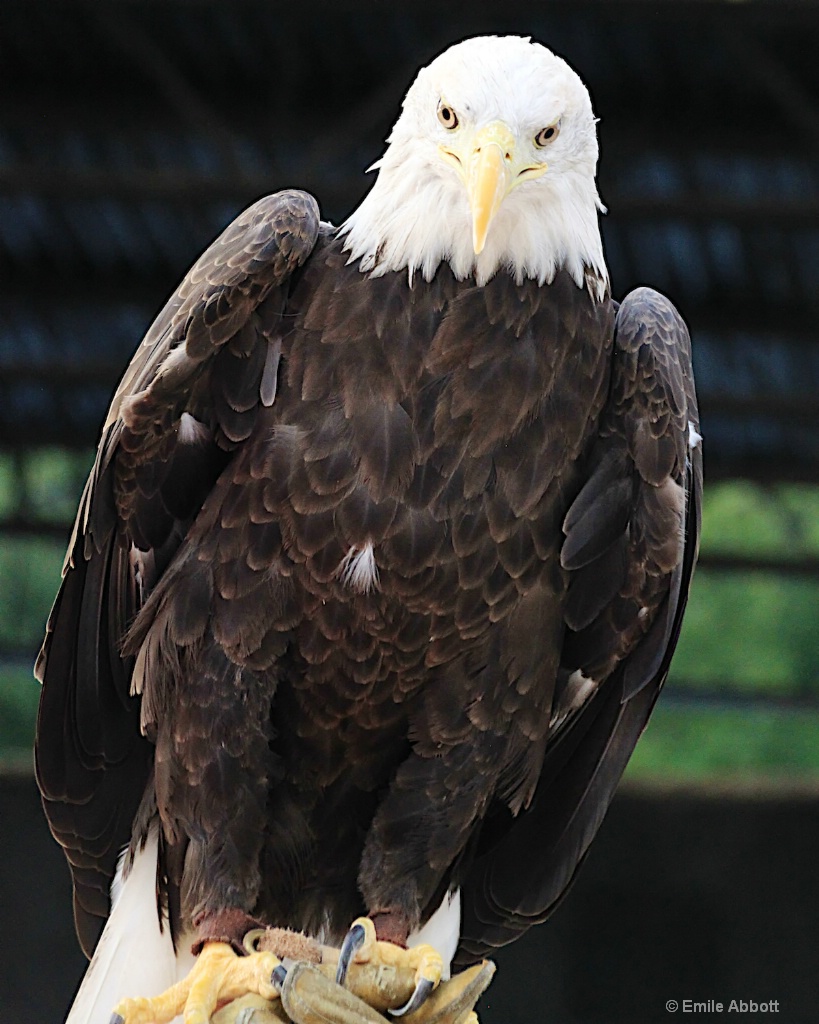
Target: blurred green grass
(733, 747)
(752, 630)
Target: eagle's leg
(364, 944)
(218, 977)
(220, 733)
(419, 831)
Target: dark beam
(788, 408)
(182, 187)
(796, 104)
(18, 526)
(66, 374)
(776, 469)
(148, 57)
(807, 566)
(133, 185)
(733, 696)
(700, 209)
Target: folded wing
(189, 397)
(631, 538)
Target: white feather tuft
(358, 570)
(579, 689)
(694, 437)
(190, 430)
(133, 957)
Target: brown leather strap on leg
(390, 928)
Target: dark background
(131, 132)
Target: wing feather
(631, 544)
(212, 354)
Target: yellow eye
(547, 135)
(447, 116)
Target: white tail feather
(443, 930)
(133, 957)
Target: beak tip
(479, 234)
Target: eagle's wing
(189, 396)
(630, 545)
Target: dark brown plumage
(318, 744)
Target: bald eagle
(383, 557)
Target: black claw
(277, 978)
(116, 1018)
(353, 941)
(417, 999)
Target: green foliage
(744, 518)
(19, 696)
(29, 578)
(695, 745)
(752, 631)
(43, 485)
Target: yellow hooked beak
(489, 167)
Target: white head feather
(417, 213)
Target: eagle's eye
(447, 116)
(547, 135)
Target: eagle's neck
(417, 219)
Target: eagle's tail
(134, 957)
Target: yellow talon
(428, 964)
(218, 977)
(378, 975)
(424, 960)
(393, 965)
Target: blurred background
(132, 131)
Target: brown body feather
(316, 747)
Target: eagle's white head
(490, 166)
